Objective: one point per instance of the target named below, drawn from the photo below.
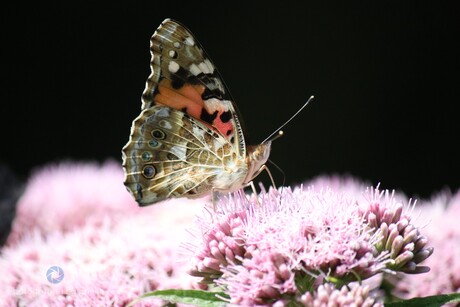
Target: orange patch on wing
(188, 96)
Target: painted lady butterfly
(188, 139)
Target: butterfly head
(257, 157)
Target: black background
(385, 79)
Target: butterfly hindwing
(170, 154)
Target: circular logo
(55, 274)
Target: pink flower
(124, 252)
(289, 246)
(68, 195)
(441, 216)
(402, 240)
(297, 239)
(264, 278)
(114, 262)
(328, 295)
(222, 245)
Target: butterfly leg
(259, 205)
(251, 183)
(215, 197)
(253, 187)
(265, 168)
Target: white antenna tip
(280, 133)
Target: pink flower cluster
(66, 196)
(81, 218)
(403, 241)
(296, 240)
(441, 218)
(309, 245)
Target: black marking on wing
(179, 78)
(205, 116)
(226, 116)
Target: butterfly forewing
(178, 57)
(184, 78)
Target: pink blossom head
(223, 244)
(390, 219)
(289, 244)
(111, 264)
(328, 295)
(62, 197)
(81, 218)
(441, 218)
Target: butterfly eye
(149, 171)
(158, 134)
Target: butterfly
(188, 140)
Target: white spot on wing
(198, 132)
(179, 151)
(214, 104)
(165, 124)
(190, 41)
(206, 67)
(195, 70)
(162, 112)
(173, 67)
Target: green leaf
(304, 282)
(191, 297)
(429, 301)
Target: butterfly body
(188, 139)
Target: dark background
(385, 78)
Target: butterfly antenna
(280, 133)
